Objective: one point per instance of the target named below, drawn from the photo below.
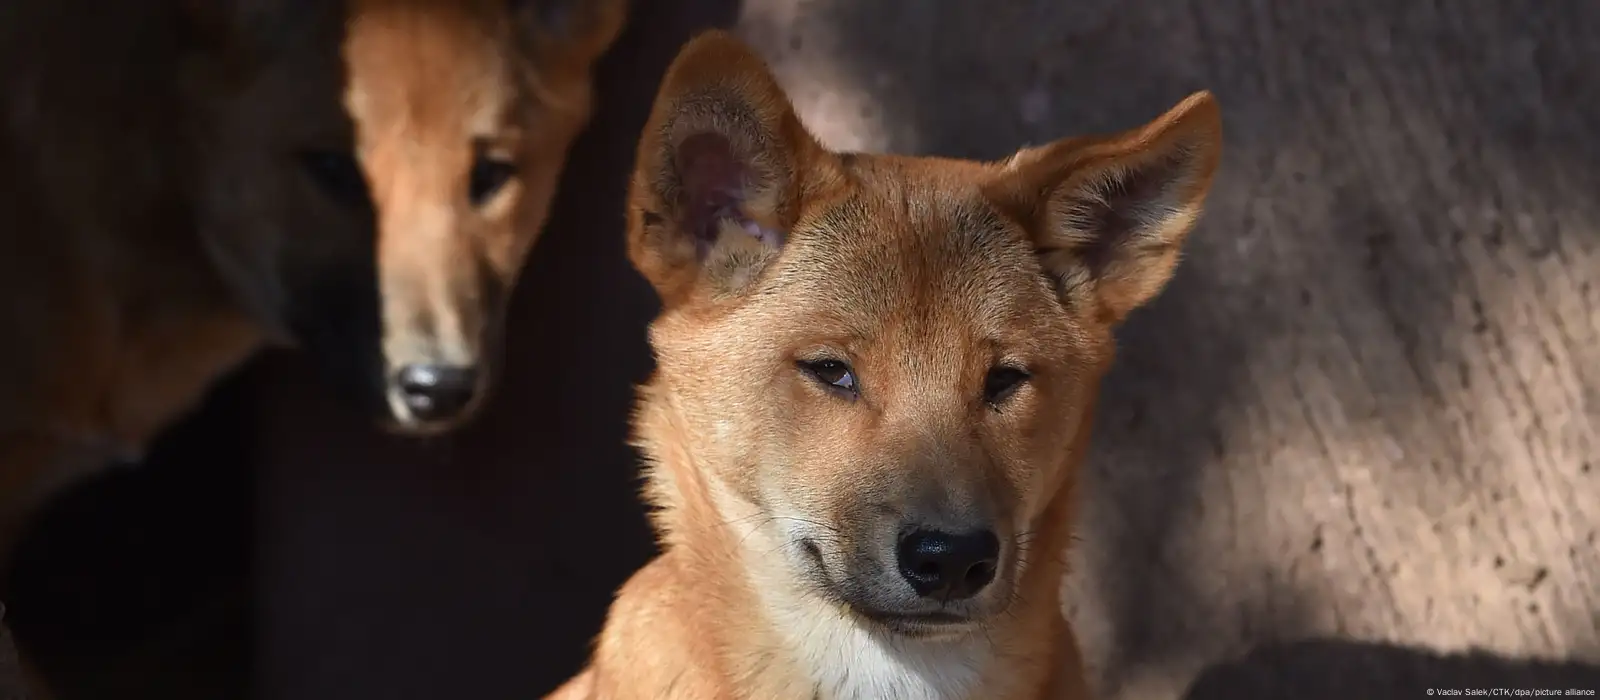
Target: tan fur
(163, 221)
(777, 498)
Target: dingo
(183, 180)
(186, 179)
(876, 380)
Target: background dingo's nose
(434, 392)
(948, 566)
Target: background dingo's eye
(338, 174)
(488, 176)
(833, 374)
(1001, 383)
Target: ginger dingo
(876, 379)
(183, 181)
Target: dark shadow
(1338, 670)
(139, 582)
(480, 564)
(136, 583)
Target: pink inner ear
(712, 189)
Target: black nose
(947, 566)
(436, 392)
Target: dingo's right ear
(717, 182)
(1109, 214)
(576, 30)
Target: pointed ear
(571, 30)
(720, 169)
(1109, 214)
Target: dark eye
(338, 174)
(833, 374)
(1001, 383)
(488, 176)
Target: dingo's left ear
(1108, 215)
(578, 30)
(721, 167)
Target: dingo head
(375, 171)
(883, 367)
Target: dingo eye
(833, 374)
(1001, 383)
(488, 176)
(338, 174)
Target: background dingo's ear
(717, 181)
(1108, 215)
(572, 30)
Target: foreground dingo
(876, 380)
(182, 181)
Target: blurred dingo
(183, 181)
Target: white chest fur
(849, 662)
